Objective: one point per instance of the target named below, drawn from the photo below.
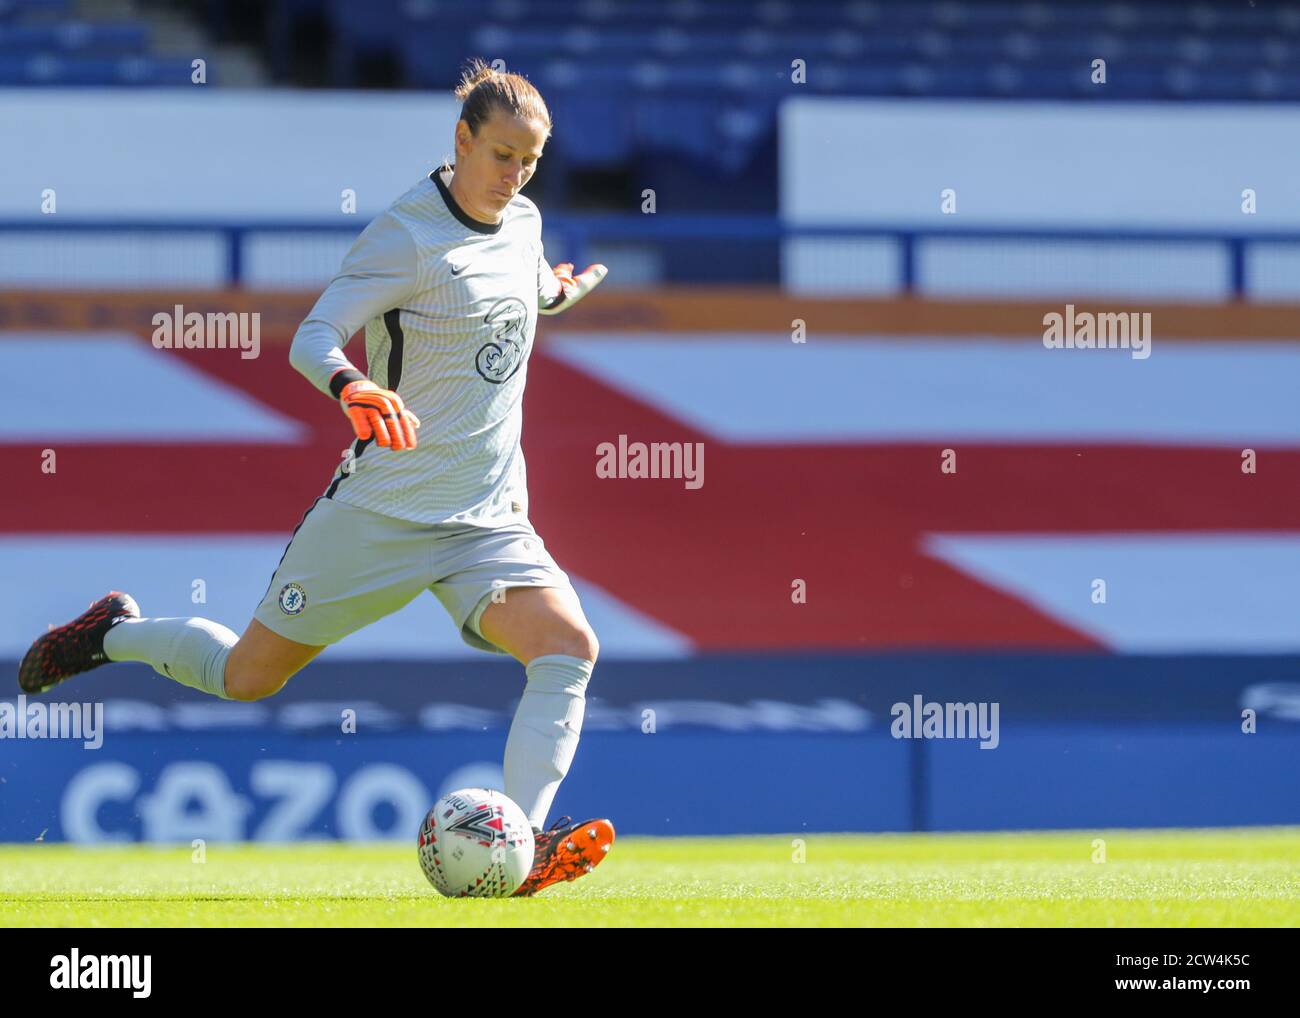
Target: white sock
(544, 734)
(191, 651)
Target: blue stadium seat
(15, 10)
(49, 69)
(74, 37)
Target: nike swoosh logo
(457, 271)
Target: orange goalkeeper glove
(378, 413)
(573, 288)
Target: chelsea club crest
(293, 599)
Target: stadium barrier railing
(878, 261)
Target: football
(476, 843)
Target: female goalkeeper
(448, 283)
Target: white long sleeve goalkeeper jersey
(449, 307)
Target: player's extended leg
(195, 652)
(545, 630)
(208, 656)
(343, 569)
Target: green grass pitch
(1240, 877)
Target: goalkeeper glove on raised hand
(573, 288)
(378, 413)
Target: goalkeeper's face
(494, 166)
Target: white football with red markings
(476, 843)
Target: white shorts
(347, 567)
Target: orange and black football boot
(566, 851)
(75, 647)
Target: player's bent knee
(248, 685)
(572, 641)
(262, 662)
